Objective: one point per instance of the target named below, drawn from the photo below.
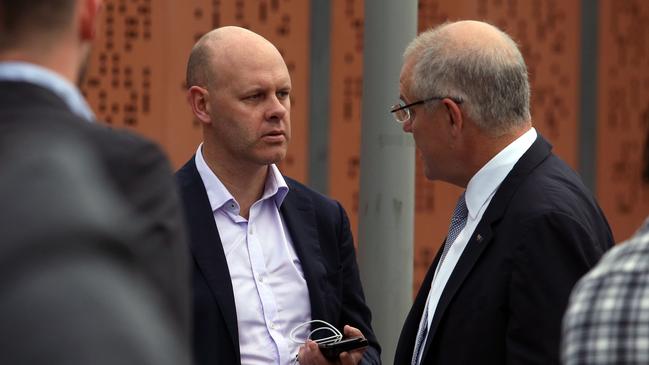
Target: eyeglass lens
(401, 115)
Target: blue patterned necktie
(458, 221)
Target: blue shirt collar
(28, 72)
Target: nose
(277, 108)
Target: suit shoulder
(187, 175)
(121, 136)
(124, 145)
(301, 189)
(554, 186)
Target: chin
(429, 173)
(273, 158)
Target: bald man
(524, 229)
(269, 253)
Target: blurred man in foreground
(44, 45)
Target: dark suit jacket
(323, 242)
(135, 168)
(72, 290)
(504, 301)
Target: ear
(88, 17)
(198, 99)
(456, 119)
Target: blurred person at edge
(44, 46)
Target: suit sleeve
(553, 251)
(354, 310)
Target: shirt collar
(218, 195)
(487, 180)
(27, 72)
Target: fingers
(351, 358)
(309, 354)
(347, 359)
(350, 331)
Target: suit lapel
(483, 234)
(299, 215)
(408, 337)
(206, 246)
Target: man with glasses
(524, 230)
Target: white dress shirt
(270, 292)
(37, 75)
(481, 188)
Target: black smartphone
(332, 350)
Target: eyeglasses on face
(402, 112)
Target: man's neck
(485, 148)
(245, 183)
(63, 60)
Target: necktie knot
(461, 211)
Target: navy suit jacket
(323, 242)
(504, 301)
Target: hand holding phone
(332, 350)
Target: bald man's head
(239, 87)
(223, 48)
(478, 63)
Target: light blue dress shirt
(28, 72)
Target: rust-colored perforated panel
(137, 70)
(124, 83)
(623, 113)
(345, 104)
(548, 33)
